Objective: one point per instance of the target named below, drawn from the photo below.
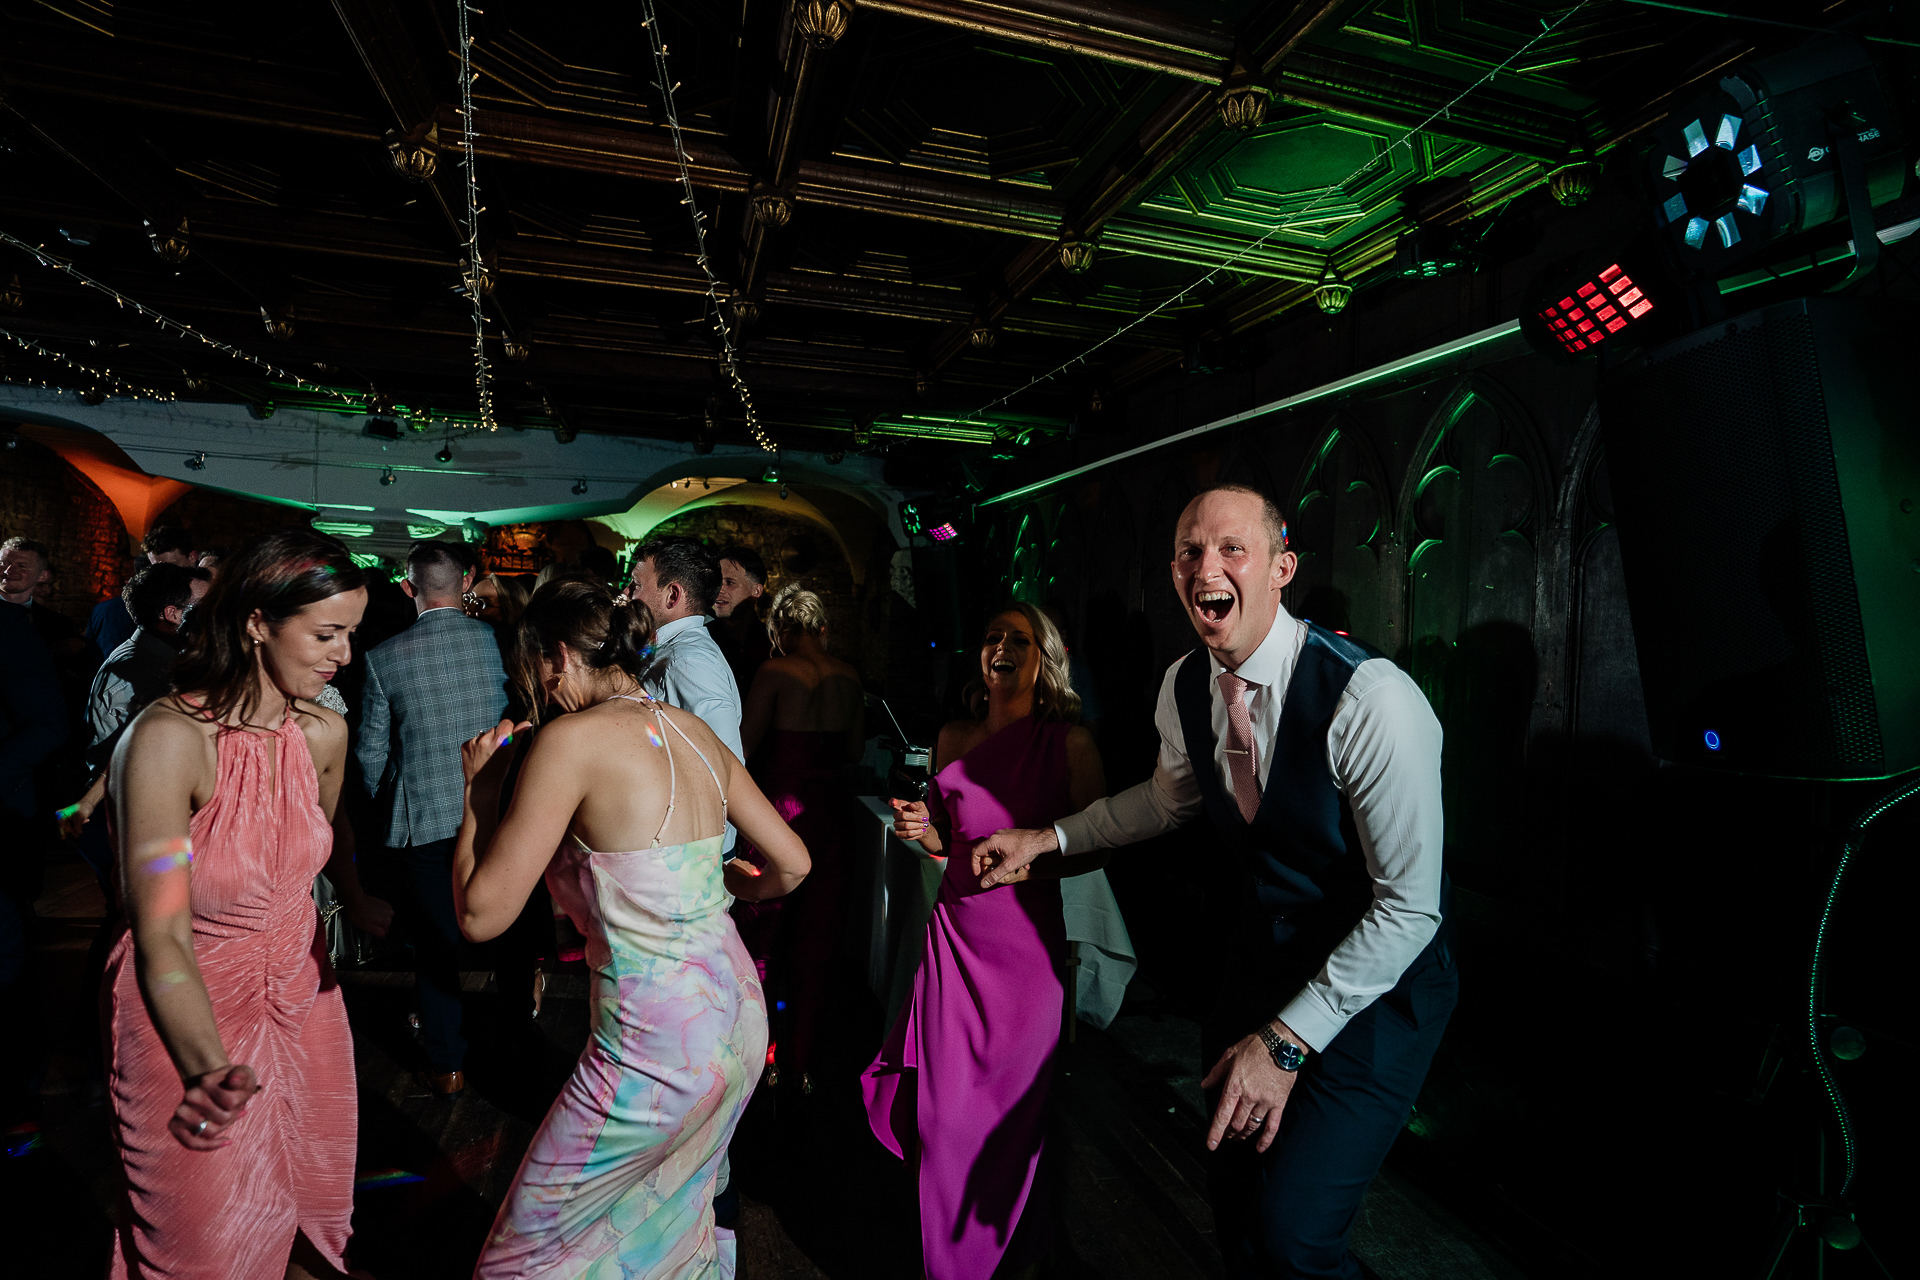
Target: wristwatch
(1287, 1055)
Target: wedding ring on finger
(200, 1129)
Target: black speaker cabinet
(1766, 478)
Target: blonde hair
(510, 597)
(1053, 695)
(795, 609)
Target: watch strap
(1287, 1055)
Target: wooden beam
(1112, 31)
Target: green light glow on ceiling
(1016, 428)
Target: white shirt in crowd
(690, 671)
(1383, 748)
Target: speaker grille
(1807, 443)
(1734, 540)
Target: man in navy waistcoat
(1318, 761)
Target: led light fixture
(943, 532)
(1596, 310)
(1618, 297)
(1774, 150)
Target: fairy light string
(730, 358)
(476, 269)
(168, 324)
(102, 378)
(1547, 28)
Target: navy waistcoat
(1301, 851)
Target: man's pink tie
(1241, 760)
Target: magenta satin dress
(963, 1078)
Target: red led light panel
(1597, 309)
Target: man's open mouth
(1214, 606)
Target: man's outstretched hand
(1003, 856)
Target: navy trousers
(436, 952)
(1285, 1215)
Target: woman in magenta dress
(961, 1086)
(231, 1067)
(802, 728)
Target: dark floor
(820, 1197)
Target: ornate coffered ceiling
(915, 204)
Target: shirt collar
(442, 608)
(1271, 662)
(668, 630)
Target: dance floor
(821, 1200)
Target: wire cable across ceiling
(1547, 28)
(168, 324)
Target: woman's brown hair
(274, 574)
(604, 631)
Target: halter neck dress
(231, 1214)
(619, 1180)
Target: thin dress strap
(673, 782)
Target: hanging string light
(167, 324)
(729, 358)
(102, 378)
(1547, 28)
(475, 268)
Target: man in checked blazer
(429, 689)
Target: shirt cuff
(1312, 1021)
(1060, 834)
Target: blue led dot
(933, 644)
(1713, 740)
(778, 1005)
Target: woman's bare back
(814, 693)
(631, 763)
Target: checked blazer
(428, 690)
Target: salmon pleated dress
(232, 1214)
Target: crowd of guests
(583, 741)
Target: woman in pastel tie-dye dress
(619, 1180)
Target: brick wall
(43, 498)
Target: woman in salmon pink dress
(230, 1065)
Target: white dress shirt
(690, 671)
(1383, 749)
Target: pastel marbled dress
(619, 1180)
